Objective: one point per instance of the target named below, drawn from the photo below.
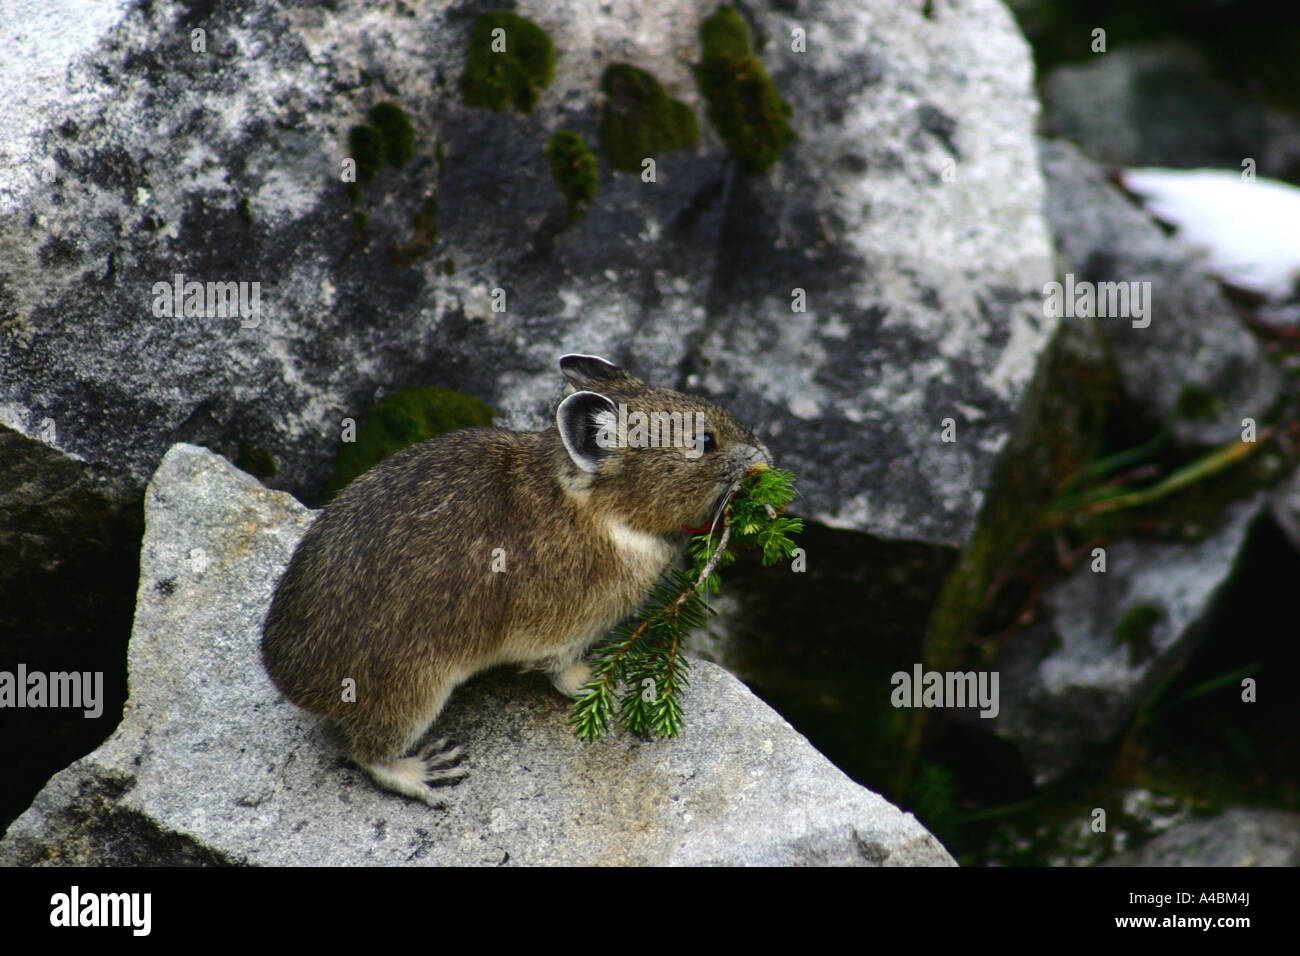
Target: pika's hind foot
(568, 680)
(415, 776)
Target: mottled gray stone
(908, 209)
(211, 765)
(1194, 338)
(150, 159)
(1237, 837)
(924, 295)
(1156, 104)
(1068, 685)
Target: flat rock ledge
(211, 766)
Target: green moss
(404, 418)
(449, 267)
(744, 106)
(726, 34)
(934, 799)
(640, 119)
(396, 131)
(367, 145)
(387, 138)
(574, 167)
(1134, 631)
(513, 76)
(440, 154)
(255, 460)
(1196, 403)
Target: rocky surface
(1213, 373)
(1071, 682)
(1237, 837)
(210, 765)
(223, 165)
(143, 141)
(1156, 104)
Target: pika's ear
(584, 370)
(588, 426)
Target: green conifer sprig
(642, 670)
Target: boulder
(222, 164)
(210, 765)
(1071, 682)
(1213, 373)
(168, 142)
(1157, 104)
(1241, 836)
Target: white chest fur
(645, 552)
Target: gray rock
(36, 479)
(1213, 372)
(1156, 104)
(1236, 837)
(1069, 684)
(131, 157)
(209, 765)
(154, 160)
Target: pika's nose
(758, 454)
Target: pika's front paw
(569, 680)
(418, 776)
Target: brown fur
(394, 586)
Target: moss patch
(255, 460)
(387, 138)
(726, 34)
(513, 73)
(367, 146)
(574, 167)
(396, 132)
(402, 419)
(1134, 631)
(639, 118)
(744, 106)
(1196, 403)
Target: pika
(484, 547)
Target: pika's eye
(707, 442)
